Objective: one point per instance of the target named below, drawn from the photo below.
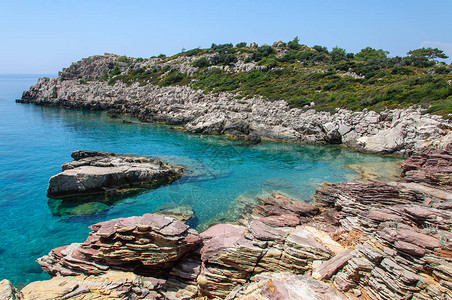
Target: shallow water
(35, 141)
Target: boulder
(94, 173)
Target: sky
(46, 35)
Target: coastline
(400, 235)
(399, 132)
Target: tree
(338, 54)
(429, 53)
(293, 44)
(370, 53)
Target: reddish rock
(331, 266)
(147, 244)
(289, 220)
(431, 167)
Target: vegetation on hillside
(300, 75)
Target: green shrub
(174, 76)
(299, 102)
(116, 71)
(401, 71)
(293, 44)
(193, 52)
(201, 63)
(123, 59)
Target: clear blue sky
(44, 36)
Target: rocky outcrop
(103, 173)
(431, 167)
(8, 291)
(147, 244)
(405, 241)
(400, 131)
(112, 285)
(269, 286)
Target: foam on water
(35, 141)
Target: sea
(35, 141)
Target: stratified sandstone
(270, 286)
(112, 285)
(147, 244)
(102, 173)
(431, 167)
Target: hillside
(303, 76)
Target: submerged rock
(181, 212)
(107, 173)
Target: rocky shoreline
(400, 132)
(361, 240)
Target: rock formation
(269, 286)
(111, 285)
(147, 244)
(431, 167)
(8, 291)
(102, 173)
(400, 131)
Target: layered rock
(149, 244)
(431, 167)
(102, 173)
(232, 254)
(269, 286)
(392, 131)
(406, 242)
(111, 285)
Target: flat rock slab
(94, 173)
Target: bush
(401, 71)
(123, 59)
(201, 63)
(193, 52)
(116, 71)
(299, 102)
(174, 76)
(241, 45)
(262, 51)
(223, 59)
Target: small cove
(35, 141)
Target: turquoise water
(35, 141)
